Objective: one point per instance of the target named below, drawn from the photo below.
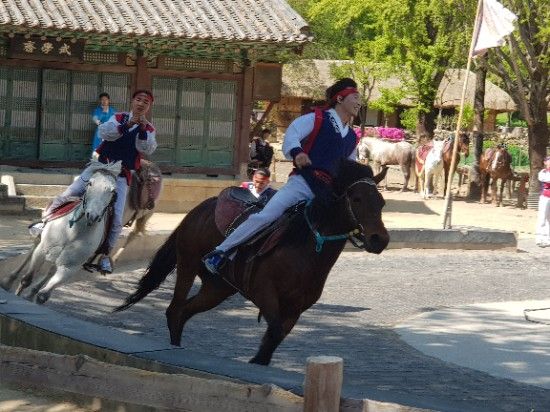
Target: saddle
(62, 210)
(234, 206)
(420, 158)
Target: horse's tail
(162, 264)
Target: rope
(321, 239)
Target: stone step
(27, 189)
(38, 202)
(12, 205)
(44, 177)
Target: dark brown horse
(494, 164)
(463, 147)
(284, 282)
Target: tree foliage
(523, 66)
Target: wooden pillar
(142, 79)
(242, 140)
(323, 384)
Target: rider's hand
(302, 160)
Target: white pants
(77, 189)
(543, 221)
(294, 191)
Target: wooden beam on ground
(176, 392)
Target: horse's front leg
(502, 183)
(277, 330)
(30, 292)
(7, 282)
(494, 192)
(36, 262)
(62, 273)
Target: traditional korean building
(206, 61)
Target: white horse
(384, 153)
(68, 241)
(433, 167)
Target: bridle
(355, 236)
(80, 210)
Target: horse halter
(82, 207)
(355, 236)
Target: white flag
(495, 22)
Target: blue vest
(124, 148)
(329, 146)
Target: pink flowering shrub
(392, 134)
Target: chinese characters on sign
(46, 48)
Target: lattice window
(180, 63)
(100, 58)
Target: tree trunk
(426, 123)
(538, 134)
(474, 188)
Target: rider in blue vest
(316, 164)
(126, 136)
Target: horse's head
(100, 190)
(501, 160)
(356, 185)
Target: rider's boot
(35, 229)
(105, 265)
(214, 261)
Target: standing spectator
(543, 219)
(261, 152)
(101, 114)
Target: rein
(351, 235)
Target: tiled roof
(219, 20)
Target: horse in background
(68, 240)
(384, 153)
(145, 189)
(429, 166)
(495, 164)
(463, 147)
(282, 280)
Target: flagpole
(448, 196)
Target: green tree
(523, 66)
(422, 38)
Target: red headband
(343, 93)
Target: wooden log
(176, 392)
(323, 384)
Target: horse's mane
(350, 171)
(113, 168)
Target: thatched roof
(308, 79)
(450, 92)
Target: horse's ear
(378, 178)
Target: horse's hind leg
(36, 261)
(181, 309)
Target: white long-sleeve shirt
(111, 131)
(301, 128)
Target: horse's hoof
(42, 298)
(259, 361)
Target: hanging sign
(46, 48)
